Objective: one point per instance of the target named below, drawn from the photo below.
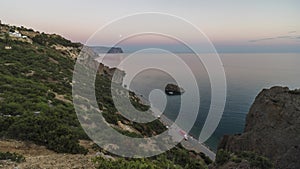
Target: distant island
(104, 49)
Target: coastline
(191, 143)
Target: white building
(7, 47)
(15, 34)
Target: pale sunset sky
(231, 25)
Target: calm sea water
(246, 74)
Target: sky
(231, 25)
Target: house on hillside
(15, 34)
(7, 47)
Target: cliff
(88, 56)
(272, 128)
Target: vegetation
(222, 157)
(49, 40)
(134, 163)
(176, 158)
(104, 98)
(12, 156)
(35, 105)
(7, 39)
(254, 159)
(29, 109)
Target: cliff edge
(272, 128)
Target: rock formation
(272, 128)
(102, 49)
(87, 57)
(172, 89)
(115, 50)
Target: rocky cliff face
(272, 128)
(88, 55)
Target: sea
(246, 75)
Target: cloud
(291, 37)
(264, 39)
(283, 37)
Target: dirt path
(38, 157)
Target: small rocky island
(173, 89)
(104, 49)
(115, 50)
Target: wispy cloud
(284, 37)
(263, 39)
(291, 37)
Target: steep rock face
(272, 128)
(87, 57)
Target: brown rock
(272, 128)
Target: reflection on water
(247, 75)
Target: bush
(134, 163)
(48, 40)
(206, 159)
(64, 141)
(255, 160)
(46, 131)
(12, 156)
(222, 157)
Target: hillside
(36, 105)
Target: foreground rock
(172, 89)
(272, 128)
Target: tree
(7, 39)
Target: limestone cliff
(272, 128)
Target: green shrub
(12, 156)
(222, 157)
(255, 160)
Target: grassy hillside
(36, 101)
(36, 96)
